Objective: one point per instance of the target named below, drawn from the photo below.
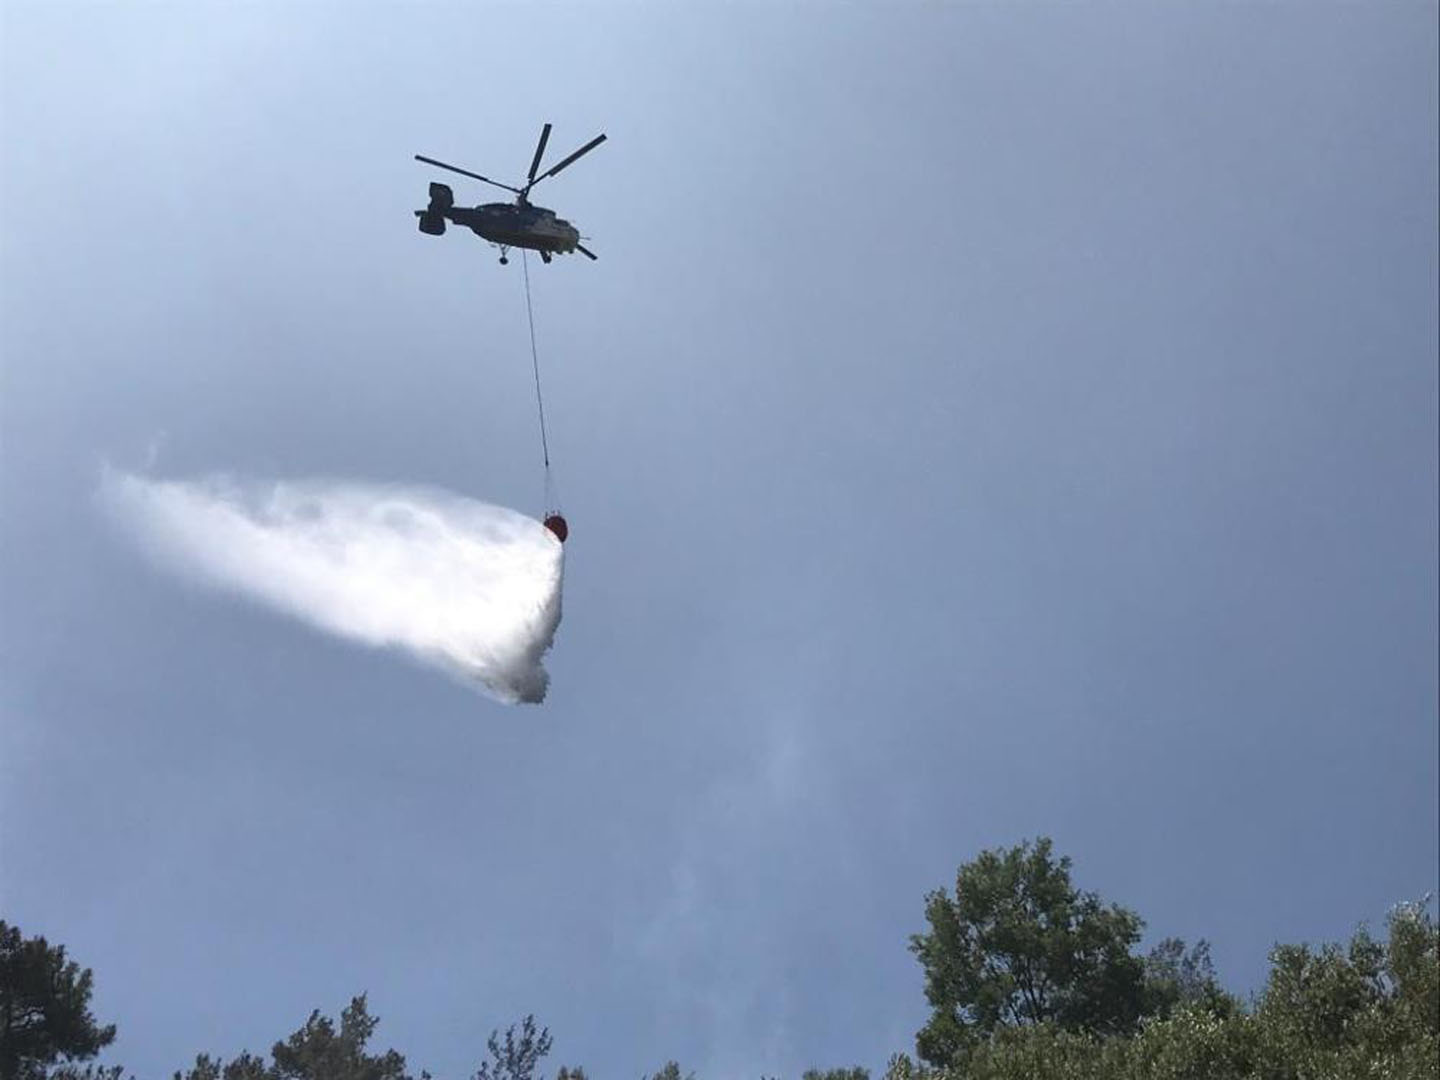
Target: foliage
(1412, 967)
(518, 1057)
(902, 1067)
(1030, 980)
(1039, 1050)
(317, 1051)
(1192, 1043)
(45, 1010)
(1368, 1009)
(1175, 977)
(1019, 945)
(245, 1067)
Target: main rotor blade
(577, 154)
(466, 172)
(587, 252)
(539, 152)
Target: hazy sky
(983, 421)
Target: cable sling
(535, 363)
(554, 519)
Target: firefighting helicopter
(508, 225)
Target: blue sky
(983, 421)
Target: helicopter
(506, 225)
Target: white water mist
(467, 587)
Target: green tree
(244, 1067)
(1412, 966)
(1363, 1009)
(1037, 1052)
(901, 1067)
(1358, 1011)
(670, 1071)
(518, 1056)
(1192, 1042)
(317, 1051)
(1019, 945)
(855, 1072)
(1176, 977)
(45, 1010)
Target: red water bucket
(556, 524)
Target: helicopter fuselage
(527, 226)
(518, 224)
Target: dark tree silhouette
(318, 1051)
(519, 1056)
(44, 1008)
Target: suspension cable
(535, 363)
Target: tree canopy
(518, 1056)
(1019, 944)
(44, 1008)
(317, 1051)
(1350, 1012)
(1028, 978)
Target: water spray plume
(467, 587)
